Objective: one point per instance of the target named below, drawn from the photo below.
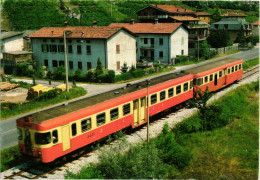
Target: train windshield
(43, 138)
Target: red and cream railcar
(55, 132)
(217, 74)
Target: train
(56, 132)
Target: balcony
(197, 26)
(154, 17)
(197, 38)
(147, 46)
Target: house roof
(256, 23)
(230, 23)
(184, 18)
(203, 14)
(28, 32)
(139, 28)
(173, 8)
(233, 14)
(5, 35)
(98, 32)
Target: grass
(26, 107)
(250, 63)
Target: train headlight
(39, 153)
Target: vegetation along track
(33, 170)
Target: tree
(216, 16)
(241, 38)
(219, 38)
(99, 69)
(204, 50)
(124, 68)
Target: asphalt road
(8, 127)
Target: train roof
(212, 65)
(51, 113)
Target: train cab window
(191, 84)
(232, 69)
(153, 98)
(162, 95)
(170, 92)
(101, 119)
(178, 89)
(206, 79)
(86, 124)
(228, 70)
(20, 135)
(74, 129)
(220, 73)
(114, 114)
(240, 66)
(43, 138)
(54, 136)
(236, 67)
(211, 77)
(126, 109)
(186, 87)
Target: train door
(65, 132)
(216, 79)
(27, 141)
(139, 109)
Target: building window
(162, 95)
(145, 41)
(71, 64)
(101, 119)
(153, 98)
(118, 65)
(54, 63)
(61, 63)
(74, 129)
(114, 114)
(118, 49)
(88, 49)
(52, 40)
(87, 40)
(79, 49)
(86, 124)
(53, 48)
(70, 48)
(170, 92)
(46, 63)
(61, 48)
(161, 41)
(152, 41)
(182, 40)
(126, 109)
(89, 66)
(182, 52)
(80, 65)
(61, 40)
(161, 54)
(79, 41)
(178, 89)
(45, 48)
(70, 41)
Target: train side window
(220, 73)
(55, 136)
(240, 66)
(126, 109)
(170, 92)
(101, 119)
(200, 81)
(20, 135)
(211, 77)
(206, 79)
(114, 114)
(86, 124)
(232, 69)
(153, 98)
(178, 89)
(228, 70)
(74, 129)
(191, 84)
(194, 82)
(186, 86)
(162, 95)
(236, 67)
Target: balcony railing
(196, 37)
(196, 26)
(154, 17)
(147, 46)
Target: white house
(158, 41)
(11, 41)
(114, 46)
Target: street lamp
(148, 82)
(66, 33)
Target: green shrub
(99, 69)
(138, 73)
(91, 75)
(8, 106)
(111, 76)
(179, 59)
(59, 74)
(189, 125)
(123, 77)
(47, 95)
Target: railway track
(30, 170)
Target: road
(8, 127)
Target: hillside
(34, 14)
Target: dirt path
(17, 95)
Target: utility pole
(65, 33)
(148, 82)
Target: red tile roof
(99, 32)
(184, 18)
(160, 28)
(256, 23)
(233, 14)
(173, 8)
(202, 14)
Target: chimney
(94, 23)
(66, 23)
(132, 21)
(52, 33)
(82, 34)
(155, 21)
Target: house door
(139, 109)
(216, 79)
(65, 132)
